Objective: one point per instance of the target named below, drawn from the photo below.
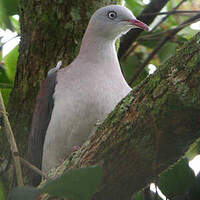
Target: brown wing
(40, 122)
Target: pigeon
(73, 99)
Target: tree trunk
(149, 129)
(50, 31)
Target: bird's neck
(95, 48)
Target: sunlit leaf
(11, 63)
(187, 32)
(171, 22)
(15, 24)
(135, 6)
(5, 95)
(193, 150)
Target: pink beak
(139, 24)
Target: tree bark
(149, 130)
(50, 31)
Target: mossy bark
(149, 130)
(50, 31)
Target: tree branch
(173, 12)
(11, 140)
(34, 168)
(164, 18)
(149, 129)
(130, 37)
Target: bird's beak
(139, 24)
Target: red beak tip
(140, 24)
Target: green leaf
(130, 66)
(25, 193)
(166, 51)
(194, 193)
(149, 43)
(4, 19)
(176, 180)
(138, 196)
(11, 6)
(171, 22)
(2, 191)
(5, 95)
(4, 78)
(11, 63)
(135, 6)
(187, 32)
(7, 8)
(15, 24)
(77, 184)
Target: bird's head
(113, 21)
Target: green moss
(155, 80)
(126, 102)
(75, 14)
(160, 90)
(68, 27)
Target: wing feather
(40, 122)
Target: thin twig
(128, 39)
(166, 32)
(166, 17)
(173, 12)
(12, 142)
(154, 34)
(35, 169)
(161, 43)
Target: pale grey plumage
(90, 87)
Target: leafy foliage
(177, 180)
(11, 63)
(7, 8)
(76, 184)
(146, 42)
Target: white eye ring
(112, 15)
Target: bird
(73, 99)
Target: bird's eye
(112, 15)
